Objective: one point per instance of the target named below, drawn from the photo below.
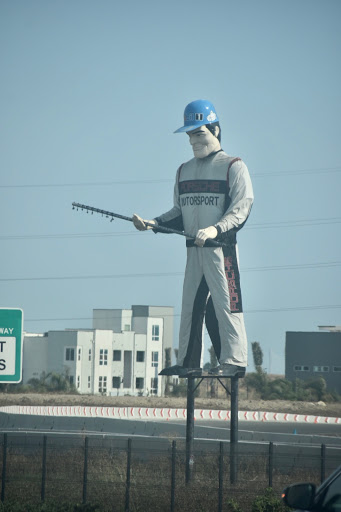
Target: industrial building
(121, 354)
(315, 354)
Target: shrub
(233, 506)
(268, 502)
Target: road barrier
(166, 414)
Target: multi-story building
(314, 354)
(122, 353)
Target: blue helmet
(198, 113)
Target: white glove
(203, 234)
(139, 223)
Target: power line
(265, 225)
(298, 308)
(91, 183)
(304, 266)
(70, 235)
(296, 172)
(292, 172)
(294, 223)
(248, 311)
(109, 276)
(294, 267)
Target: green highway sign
(11, 344)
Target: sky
(91, 93)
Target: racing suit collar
(211, 154)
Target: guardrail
(151, 413)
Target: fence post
(271, 462)
(173, 476)
(127, 505)
(4, 464)
(85, 469)
(43, 470)
(221, 477)
(323, 462)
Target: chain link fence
(140, 474)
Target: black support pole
(190, 429)
(234, 430)
(233, 424)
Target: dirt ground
(222, 403)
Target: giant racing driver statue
(213, 196)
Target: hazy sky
(91, 92)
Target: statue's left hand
(203, 234)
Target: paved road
(219, 430)
(316, 429)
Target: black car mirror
(299, 496)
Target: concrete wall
(35, 349)
(310, 355)
(116, 320)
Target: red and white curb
(143, 413)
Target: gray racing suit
(215, 190)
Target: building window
(301, 368)
(140, 356)
(102, 384)
(155, 359)
(154, 385)
(155, 332)
(78, 381)
(79, 354)
(89, 354)
(116, 355)
(321, 369)
(127, 327)
(71, 379)
(103, 357)
(116, 382)
(69, 354)
(139, 383)
(89, 382)
(336, 368)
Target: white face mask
(203, 142)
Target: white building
(122, 353)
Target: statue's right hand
(139, 223)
